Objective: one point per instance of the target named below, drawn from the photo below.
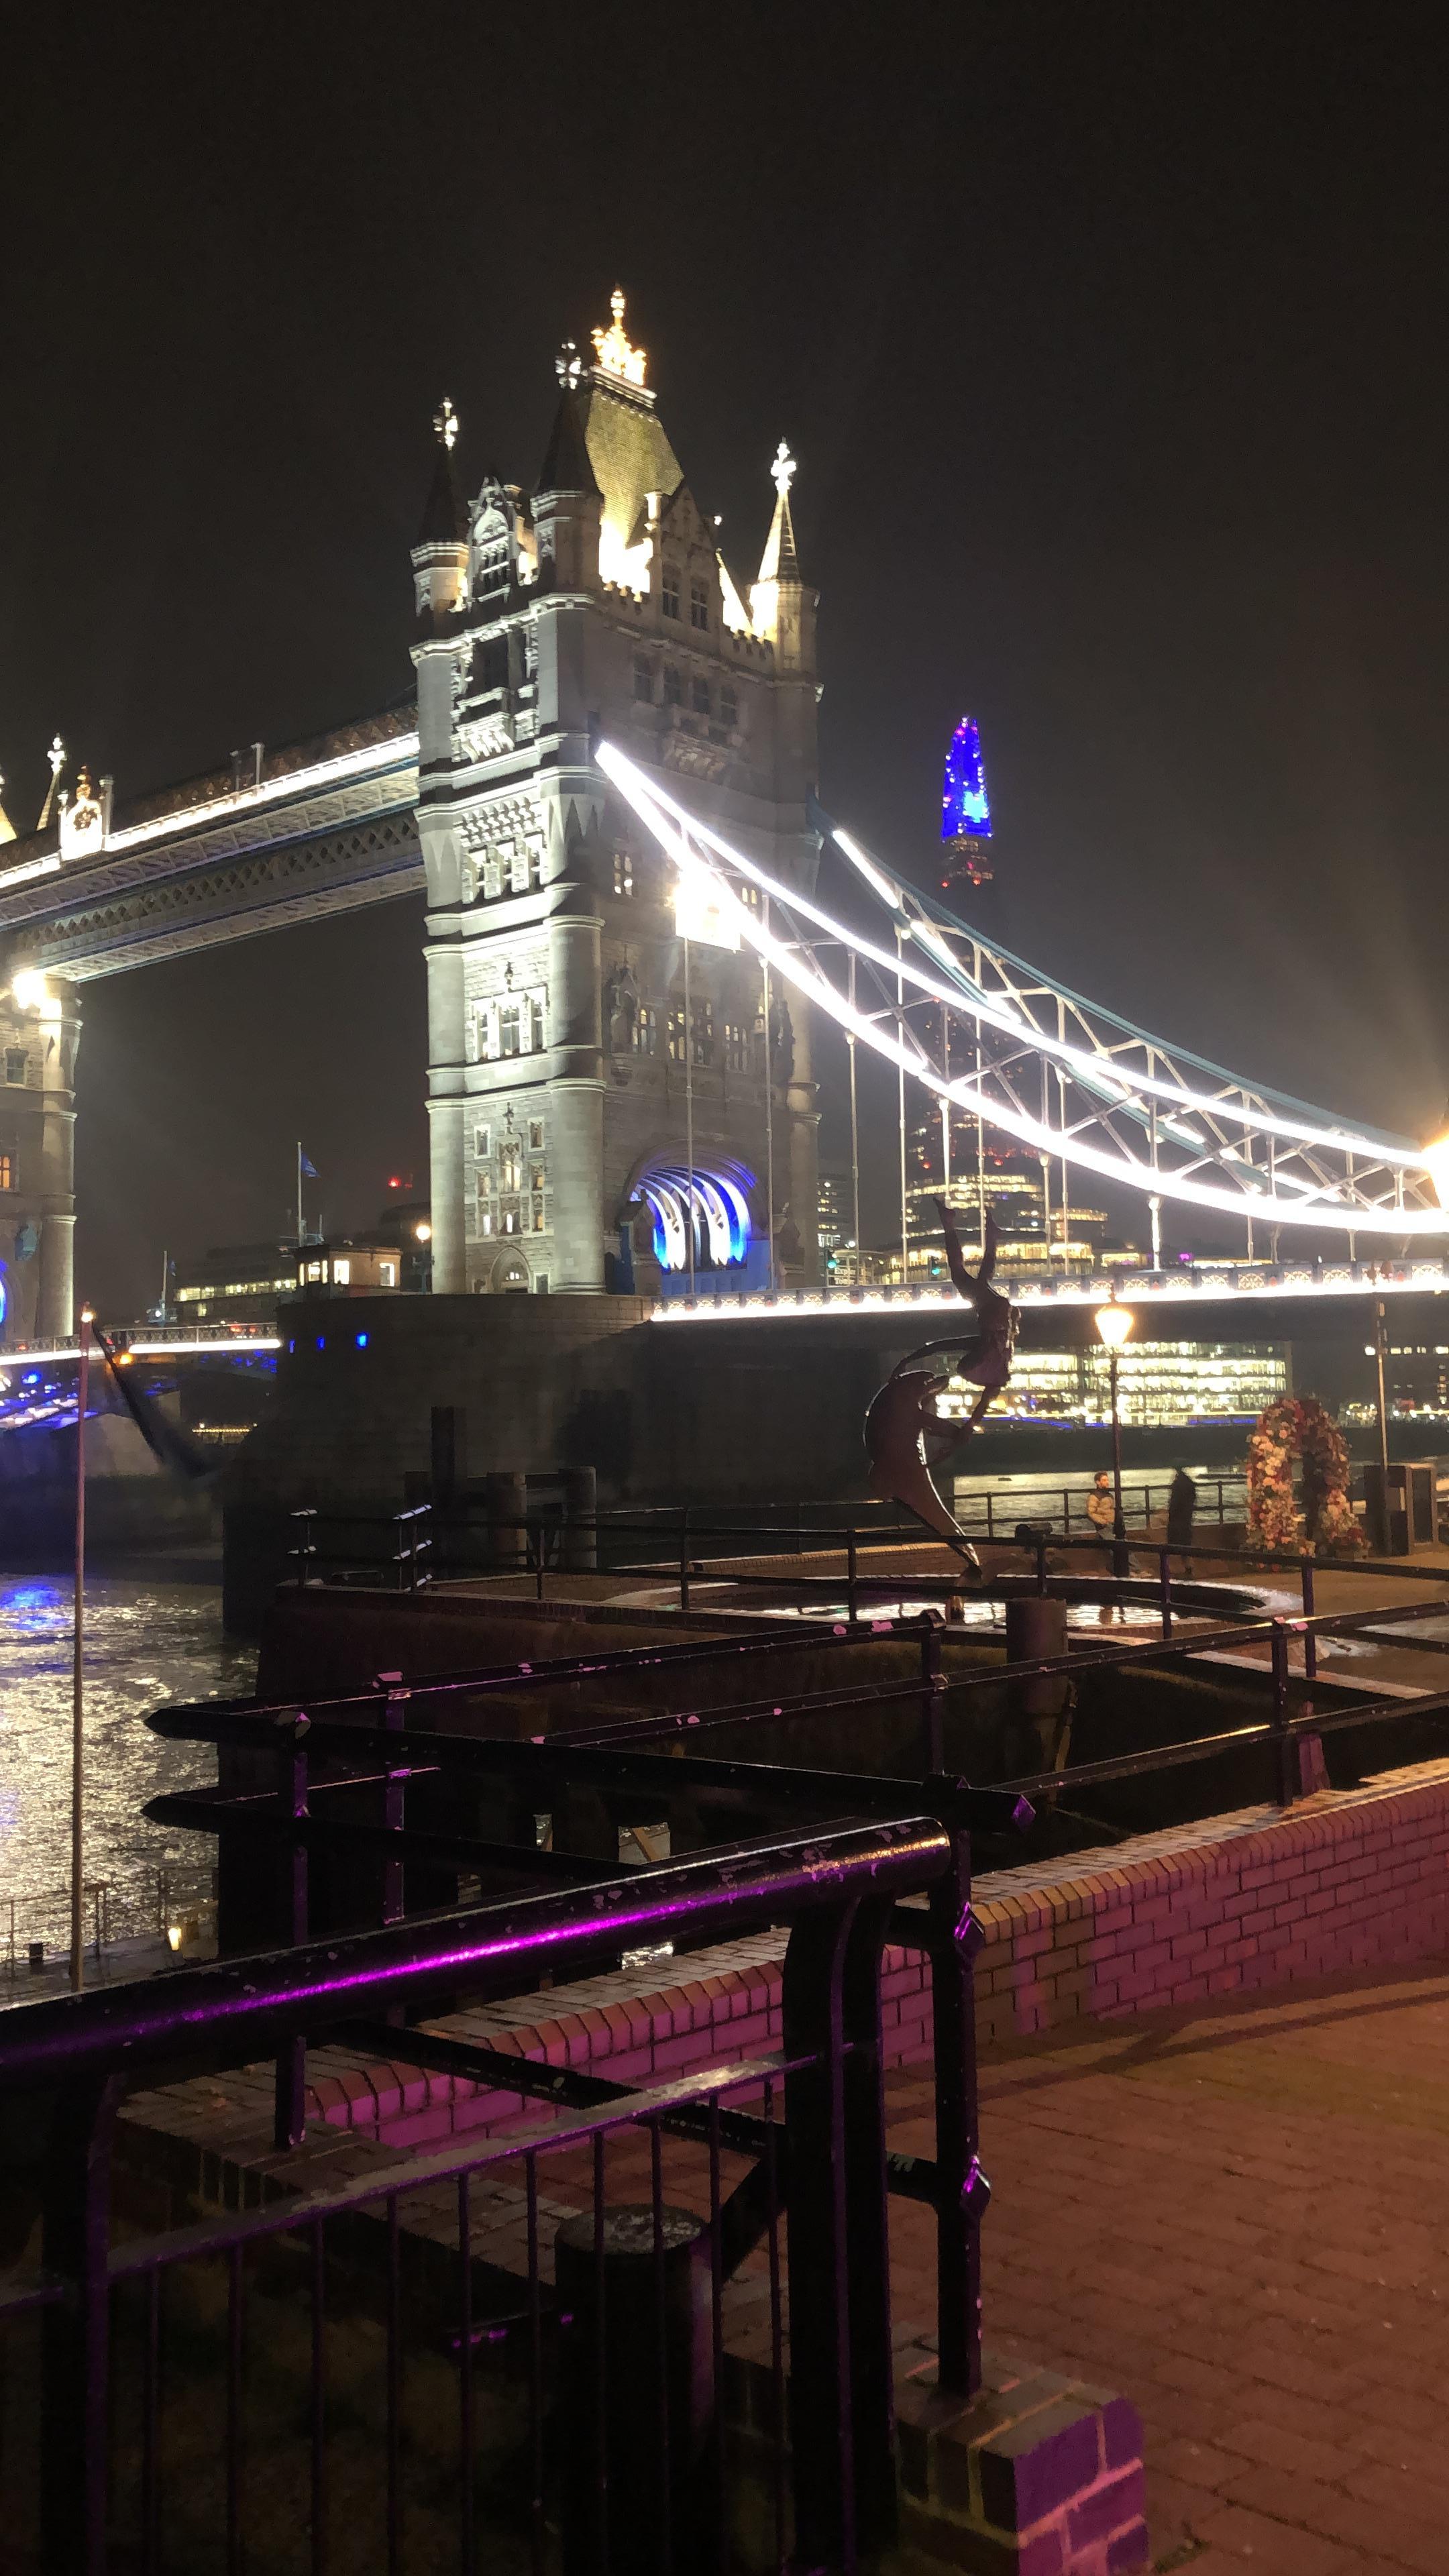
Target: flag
(306, 1166)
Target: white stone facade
(39, 1035)
(599, 605)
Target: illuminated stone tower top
(566, 1067)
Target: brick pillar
(1037, 2476)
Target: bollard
(1036, 1627)
(506, 1498)
(636, 2396)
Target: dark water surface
(151, 1635)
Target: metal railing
(993, 1514)
(585, 2378)
(849, 1589)
(402, 1564)
(148, 1902)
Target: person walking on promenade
(1181, 1506)
(1102, 1513)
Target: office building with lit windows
(1161, 1385)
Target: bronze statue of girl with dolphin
(902, 1426)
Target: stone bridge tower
(598, 604)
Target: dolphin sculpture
(902, 1427)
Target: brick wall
(1239, 1903)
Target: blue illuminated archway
(712, 1202)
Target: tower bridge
(637, 914)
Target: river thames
(150, 1636)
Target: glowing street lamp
(1114, 1325)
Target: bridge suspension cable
(928, 993)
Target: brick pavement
(1236, 2217)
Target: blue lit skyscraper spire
(965, 811)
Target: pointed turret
(780, 562)
(782, 610)
(440, 557)
(567, 502)
(566, 466)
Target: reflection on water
(145, 1642)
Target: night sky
(1110, 339)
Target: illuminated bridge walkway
(982, 1032)
(277, 838)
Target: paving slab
(1236, 2217)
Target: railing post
(1041, 1548)
(289, 2114)
(1164, 1587)
(842, 2394)
(852, 1546)
(394, 1713)
(963, 2190)
(75, 2332)
(1283, 1746)
(1310, 1641)
(304, 1523)
(933, 1697)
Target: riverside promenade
(1237, 2215)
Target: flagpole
(77, 1714)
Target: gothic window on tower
(492, 875)
(7, 1173)
(16, 1060)
(729, 710)
(482, 1144)
(749, 896)
(510, 1164)
(535, 1022)
(701, 1020)
(644, 684)
(669, 590)
(535, 1135)
(698, 604)
(674, 1035)
(736, 1047)
(643, 1037)
(673, 689)
(623, 872)
(510, 1033)
(485, 1203)
(535, 1199)
(535, 859)
(520, 871)
(700, 694)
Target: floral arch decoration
(1297, 1426)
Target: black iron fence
(588, 2300)
(848, 1595)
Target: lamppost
(1114, 1323)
